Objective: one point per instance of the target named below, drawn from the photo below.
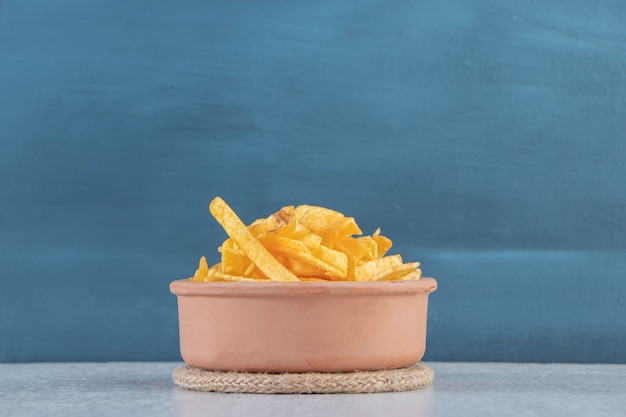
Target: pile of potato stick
(303, 243)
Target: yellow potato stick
(322, 220)
(273, 223)
(233, 262)
(338, 260)
(289, 245)
(349, 245)
(260, 227)
(367, 271)
(312, 241)
(352, 264)
(383, 243)
(347, 227)
(411, 276)
(372, 247)
(230, 244)
(294, 249)
(235, 278)
(300, 269)
(248, 243)
(303, 243)
(397, 271)
(212, 270)
(257, 274)
(202, 271)
(249, 270)
(314, 217)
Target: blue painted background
(486, 138)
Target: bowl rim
(186, 287)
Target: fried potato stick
(248, 243)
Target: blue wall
(485, 138)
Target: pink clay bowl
(303, 326)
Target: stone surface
(468, 389)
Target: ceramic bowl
(302, 326)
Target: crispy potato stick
(337, 259)
(273, 223)
(383, 243)
(233, 262)
(249, 244)
(236, 278)
(295, 249)
(321, 220)
(396, 271)
(417, 274)
(369, 270)
(305, 270)
(202, 271)
(202, 275)
(303, 243)
(312, 241)
(360, 248)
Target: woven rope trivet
(403, 379)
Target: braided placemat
(402, 379)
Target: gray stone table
(459, 389)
